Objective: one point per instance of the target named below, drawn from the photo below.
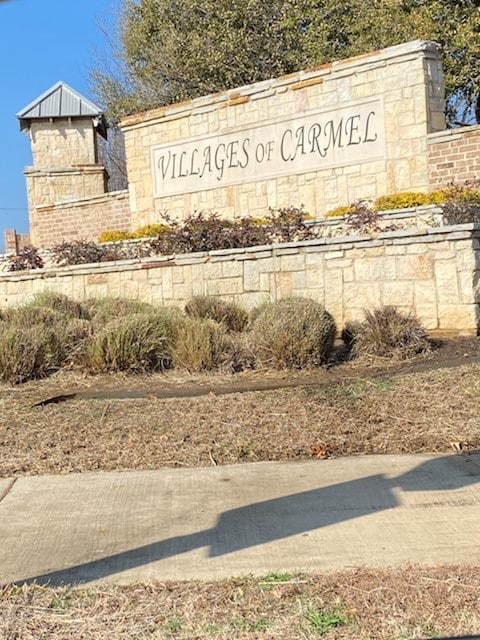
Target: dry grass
(361, 414)
(361, 604)
(293, 333)
(232, 315)
(388, 333)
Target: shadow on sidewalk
(270, 520)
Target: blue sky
(41, 42)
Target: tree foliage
(171, 50)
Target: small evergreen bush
(232, 315)
(401, 201)
(147, 231)
(293, 333)
(115, 236)
(337, 212)
(387, 333)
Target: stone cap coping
(80, 202)
(93, 167)
(453, 134)
(293, 81)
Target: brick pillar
(11, 243)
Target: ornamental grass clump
(232, 315)
(201, 344)
(38, 340)
(388, 333)
(293, 333)
(59, 303)
(103, 310)
(133, 343)
(26, 352)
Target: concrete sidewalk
(222, 521)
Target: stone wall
(328, 136)
(454, 155)
(63, 143)
(434, 272)
(45, 187)
(83, 219)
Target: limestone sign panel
(308, 142)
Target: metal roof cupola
(61, 101)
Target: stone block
(467, 285)
(446, 282)
(213, 270)
(425, 292)
(251, 276)
(232, 269)
(283, 285)
(375, 269)
(315, 277)
(413, 267)
(461, 318)
(427, 315)
(182, 292)
(226, 286)
(299, 281)
(362, 296)
(294, 262)
(398, 294)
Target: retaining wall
(434, 272)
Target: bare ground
(357, 604)
(429, 404)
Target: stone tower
(67, 133)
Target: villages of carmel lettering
(311, 142)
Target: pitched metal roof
(60, 101)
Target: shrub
(27, 258)
(60, 303)
(29, 316)
(363, 219)
(401, 201)
(201, 345)
(26, 352)
(63, 336)
(80, 252)
(136, 342)
(461, 203)
(460, 212)
(344, 210)
(287, 224)
(103, 310)
(151, 231)
(147, 231)
(198, 232)
(232, 315)
(293, 333)
(256, 312)
(468, 192)
(202, 232)
(115, 236)
(388, 333)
